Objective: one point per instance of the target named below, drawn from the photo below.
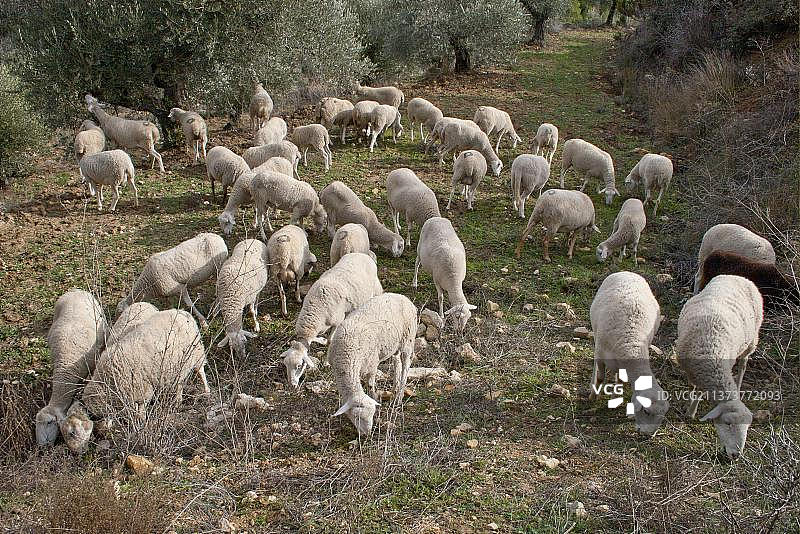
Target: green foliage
(20, 127)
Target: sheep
(274, 190)
(194, 128)
(350, 237)
(560, 210)
(343, 206)
(410, 196)
(380, 119)
(172, 272)
(361, 113)
(439, 126)
(329, 107)
(110, 167)
(496, 121)
(459, 136)
(126, 133)
(314, 136)
(277, 164)
(441, 253)
(289, 260)
(469, 168)
(627, 230)
(130, 318)
(343, 119)
(341, 289)
(240, 195)
(274, 131)
(226, 166)
(528, 173)
(586, 158)
(390, 96)
(384, 327)
(654, 172)
(736, 239)
(717, 328)
(76, 336)
(260, 106)
(423, 112)
(239, 283)
(625, 316)
(775, 287)
(546, 141)
(89, 140)
(257, 155)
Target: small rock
(431, 333)
(498, 314)
(492, 306)
(583, 333)
(544, 461)
(604, 508)
(571, 441)
(528, 307)
(420, 373)
(460, 429)
(565, 345)
(420, 330)
(408, 392)
(493, 526)
(250, 496)
(664, 278)
(472, 443)
(420, 345)
(641, 260)
(248, 402)
(430, 318)
(577, 509)
(761, 416)
(656, 350)
(664, 218)
(140, 465)
(468, 353)
(455, 376)
(559, 391)
(567, 310)
(548, 317)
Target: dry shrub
(19, 402)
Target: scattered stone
(641, 260)
(664, 218)
(431, 333)
(248, 402)
(468, 353)
(583, 333)
(408, 392)
(761, 416)
(569, 280)
(567, 310)
(498, 314)
(548, 317)
(536, 272)
(250, 496)
(544, 461)
(559, 391)
(140, 465)
(420, 330)
(493, 394)
(431, 318)
(656, 350)
(455, 376)
(421, 373)
(420, 345)
(461, 429)
(528, 307)
(664, 278)
(492, 306)
(472, 443)
(571, 441)
(493, 526)
(565, 345)
(318, 386)
(577, 509)
(604, 508)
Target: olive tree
(540, 12)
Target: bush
(20, 128)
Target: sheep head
(648, 418)
(320, 218)
(226, 222)
(77, 428)
(496, 166)
(296, 360)
(460, 314)
(603, 252)
(397, 246)
(47, 421)
(173, 113)
(731, 419)
(609, 192)
(360, 409)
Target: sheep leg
(135, 192)
(416, 272)
(691, 411)
(201, 372)
(344, 132)
(623, 252)
(187, 301)
(408, 232)
(552, 153)
(297, 296)
(441, 299)
(742, 367)
(572, 241)
(598, 375)
(224, 194)
(636, 252)
(546, 246)
(525, 234)
(156, 156)
(372, 142)
(470, 194)
(213, 191)
(395, 215)
(254, 315)
(196, 150)
(100, 199)
(116, 197)
(324, 155)
(497, 146)
(657, 202)
(267, 213)
(305, 157)
(282, 292)
(373, 390)
(449, 200)
(205, 142)
(585, 181)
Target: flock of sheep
(103, 371)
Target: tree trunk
(612, 10)
(463, 59)
(537, 30)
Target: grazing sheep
(460, 137)
(260, 106)
(361, 114)
(654, 172)
(289, 260)
(625, 316)
(343, 119)
(276, 164)
(240, 196)
(172, 272)
(257, 155)
(126, 133)
(736, 239)
(314, 136)
(441, 253)
(111, 167)
(439, 126)
(380, 119)
(351, 237)
(194, 130)
(348, 284)
(390, 95)
(496, 121)
(546, 141)
(226, 166)
(410, 196)
(274, 131)
(469, 168)
(717, 328)
(89, 140)
(528, 173)
(627, 230)
(560, 210)
(343, 206)
(423, 112)
(130, 318)
(76, 337)
(383, 327)
(586, 158)
(329, 107)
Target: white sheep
(560, 210)
(343, 119)
(328, 107)
(423, 112)
(389, 95)
(627, 230)
(457, 137)
(469, 168)
(528, 173)
(717, 328)
(382, 328)
(75, 339)
(592, 162)
(350, 237)
(277, 191)
(343, 206)
(260, 106)
(276, 164)
(408, 195)
(195, 130)
(439, 126)
(496, 121)
(130, 318)
(361, 113)
(314, 136)
(127, 133)
(274, 131)
(441, 253)
(90, 139)
(380, 119)
(289, 260)
(257, 155)
(546, 141)
(172, 272)
(341, 289)
(625, 316)
(240, 196)
(654, 172)
(736, 239)
(110, 167)
(225, 166)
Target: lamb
(496, 121)
(459, 137)
(351, 237)
(257, 155)
(348, 284)
(586, 158)
(441, 253)
(528, 173)
(654, 172)
(380, 119)
(289, 260)
(625, 316)
(736, 239)
(410, 196)
(423, 112)
(76, 337)
(329, 107)
(239, 283)
(314, 136)
(384, 327)
(194, 130)
(126, 133)
(343, 119)
(546, 141)
(343, 206)
(89, 140)
(274, 131)
(260, 106)
(716, 328)
(469, 168)
(439, 126)
(226, 166)
(390, 95)
(627, 230)
(361, 114)
(174, 271)
(560, 210)
(110, 167)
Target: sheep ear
(713, 414)
(346, 406)
(223, 342)
(320, 340)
